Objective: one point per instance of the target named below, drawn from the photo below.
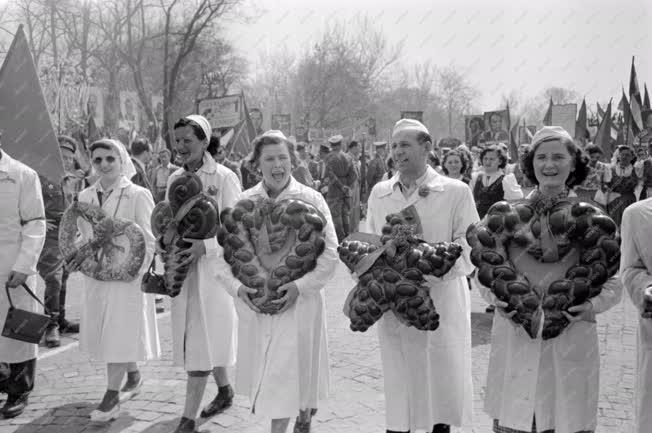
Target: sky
(499, 45)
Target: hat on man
(67, 143)
(409, 125)
(274, 133)
(379, 144)
(336, 140)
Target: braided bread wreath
(576, 226)
(116, 250)
(391, 271)
(188, 213)
(269, 243)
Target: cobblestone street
(69, 386)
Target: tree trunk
(53, 32)
(450, 120)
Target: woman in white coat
(636, 273)
(22, 234)
(552, 385)
(203, 315)
(118, 322)
(283, 358)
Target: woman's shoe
(301, 427)
(186, 425)
(129, 391)
(99, 416)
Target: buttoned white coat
(283, 358)
(428, 374)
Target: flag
(646, 99)
(93, 132)
(27, 131)
(600, 113)
(629, 129)
(547, 119)
(581, 127)
(603, 136)
(514, 141)
(635, 101)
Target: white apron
(428, 374)
(203, 315)
(118, 320)
(283, 358)
(21, 200)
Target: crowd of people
(281, 360)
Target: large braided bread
(395, 281)
(188, 213)
(577, 228)
(270, 243)
(116, 250)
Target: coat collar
(259, 189)
(432, 180)
(123, 182)
(5, 161)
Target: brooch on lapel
(211, 190)
(424, 190)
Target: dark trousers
(437, 428)
(340, 208)
(55, 278)
(19, 380)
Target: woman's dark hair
(199, 133)
(592, 148)
(264, 140)
(577, 154)
(213, 145)
(499, 152)
(101, 144)
(460, 155)
(140, 146)
(622, 148)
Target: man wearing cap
(341, 179)
(636, 274)
(427, 375)
(377, 166)
(22, 233)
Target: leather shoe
(52, 337)
(301, 427)
(67, 327)
(186, 425)
(99, 416)
(14, 406)
(129, 391)
(218, 405)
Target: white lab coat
(636, 273)
(556, 380)
(428, 374)
(118, 320)
(283, 358)
(22, 234)
(203, 316)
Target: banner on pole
(224, 112)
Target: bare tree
(455, 93)
(221, 67)
(179, 40)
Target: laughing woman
(282, 358)
(118, 323)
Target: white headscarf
(127, 168)
(203, 123)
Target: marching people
(455, 166)
(536, 385)
(427, 375)
(341, 177)
(22, 232)
(377, 166)
(643, 167)
(301, 171)
(203, 315)
(491, 184)
(587, 190)
(619, 183)
(141, 155)
(118, 325)
(283, 358)
(161, 173)
(636, 274)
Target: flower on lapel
(211, 190)
(424, 190)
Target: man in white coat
(636, 273)
(22, 234)
(203, 315)
(428, 383)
